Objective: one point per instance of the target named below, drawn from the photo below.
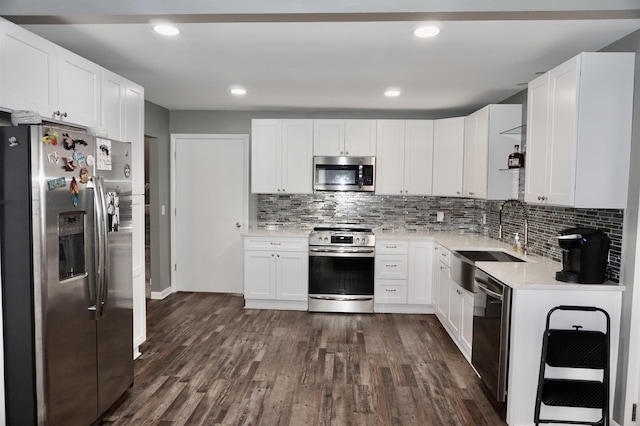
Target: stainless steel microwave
(344, 173)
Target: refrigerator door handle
(101, 234)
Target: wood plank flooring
(208, 361)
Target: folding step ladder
(579, 349)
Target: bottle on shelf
(516, 159)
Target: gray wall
(156, 130)
(239, 122)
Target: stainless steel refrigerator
(65, 230)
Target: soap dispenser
(517, 246)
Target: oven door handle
(482, 286)
(342, 299)
(315, 251)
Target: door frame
(244, 139)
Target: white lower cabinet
(454, 305)
(403, 276)
(420, 271)
(466, 323)
(276, 273)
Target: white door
(209, 206)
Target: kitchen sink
(463, 266)
(488, 256)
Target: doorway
(209, 211)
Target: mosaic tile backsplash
(419, 214)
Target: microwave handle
(360, 175)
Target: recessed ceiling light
(238, 91)
(392, 93)
(165, 29)
(426, 31)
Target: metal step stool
(580, 349)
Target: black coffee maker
(585, 255)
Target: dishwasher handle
(482, 285)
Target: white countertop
(537, 273)
(279, 231)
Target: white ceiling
(330, 61)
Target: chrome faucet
(525, 247)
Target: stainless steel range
(341, 262)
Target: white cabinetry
(420, 273)
(466, 323)
(28, 71)
(123, 117)
(391, 272)
(79, 82)
(403, 276)
(448, 148)
(454, 305)
(356, 138)
(579, 132)
(276, 272)
(404, 158)
(122, 114)
(443, 278)
(40, 76)
(486, 151)
(281, 156)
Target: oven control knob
(357, 240)
(326, 239)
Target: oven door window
(341, 275)
(336, 175)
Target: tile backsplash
(414, 213)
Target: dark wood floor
(208, 361)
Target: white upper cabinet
(28, 71)
(134, 132)
(486, 151)
(113, 104)
(122, 114)
(281, 156)
(579, 132)
(356, 138)
(79, 82)
(448, 149)
(40, 76)
(404, 157)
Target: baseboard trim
(159, 295)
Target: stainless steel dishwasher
(491, 315)
(491, 326)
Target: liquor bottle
(516, 159)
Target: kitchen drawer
(392, 267)
(277, 244)
(444, 256)
(390, 291)
(392, 247)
